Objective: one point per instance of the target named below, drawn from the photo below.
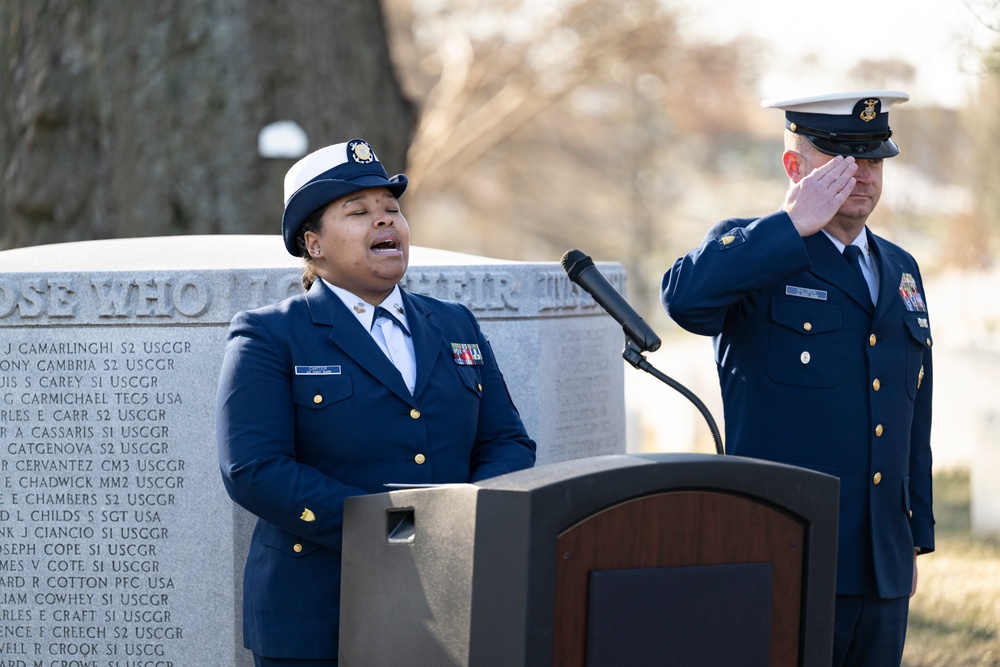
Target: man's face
(866, 192)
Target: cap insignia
(868, 113)
(361, 152)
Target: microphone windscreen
(575, 261)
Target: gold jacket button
(872, 340)
(317, 399)
(480, 387)
(297, 548)
(807, 326)
(877, 478)
(928, 342)
(876, 385)
(414, 413)
(878, 431)
(419, 458)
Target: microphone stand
(633, 355)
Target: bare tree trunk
(122, 118)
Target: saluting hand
(813, 199)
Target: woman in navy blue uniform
(340, 390)
(824, 360)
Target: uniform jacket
(814, 375)
(311, 411)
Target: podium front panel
(682, 530)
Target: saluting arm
(735, 259)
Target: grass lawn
(955, 615)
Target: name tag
(805, 292)
(317, 370)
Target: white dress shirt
(394, 340)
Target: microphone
(581, 270)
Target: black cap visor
(861, 146)
(862, 150)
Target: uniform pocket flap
(805, 316)
(317, 391)
(919, 329)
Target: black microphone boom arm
(639, 336)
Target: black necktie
(852, 254)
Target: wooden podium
(670, 559)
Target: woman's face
(363, 245)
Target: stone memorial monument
(118, 544)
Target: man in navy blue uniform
(823, 347)
(340, 390)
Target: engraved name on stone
(91, 480)
(583, 418)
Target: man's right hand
(812, 201)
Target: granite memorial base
(118, 544)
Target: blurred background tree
(126, 119)
(978, 242)
(545, 126)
